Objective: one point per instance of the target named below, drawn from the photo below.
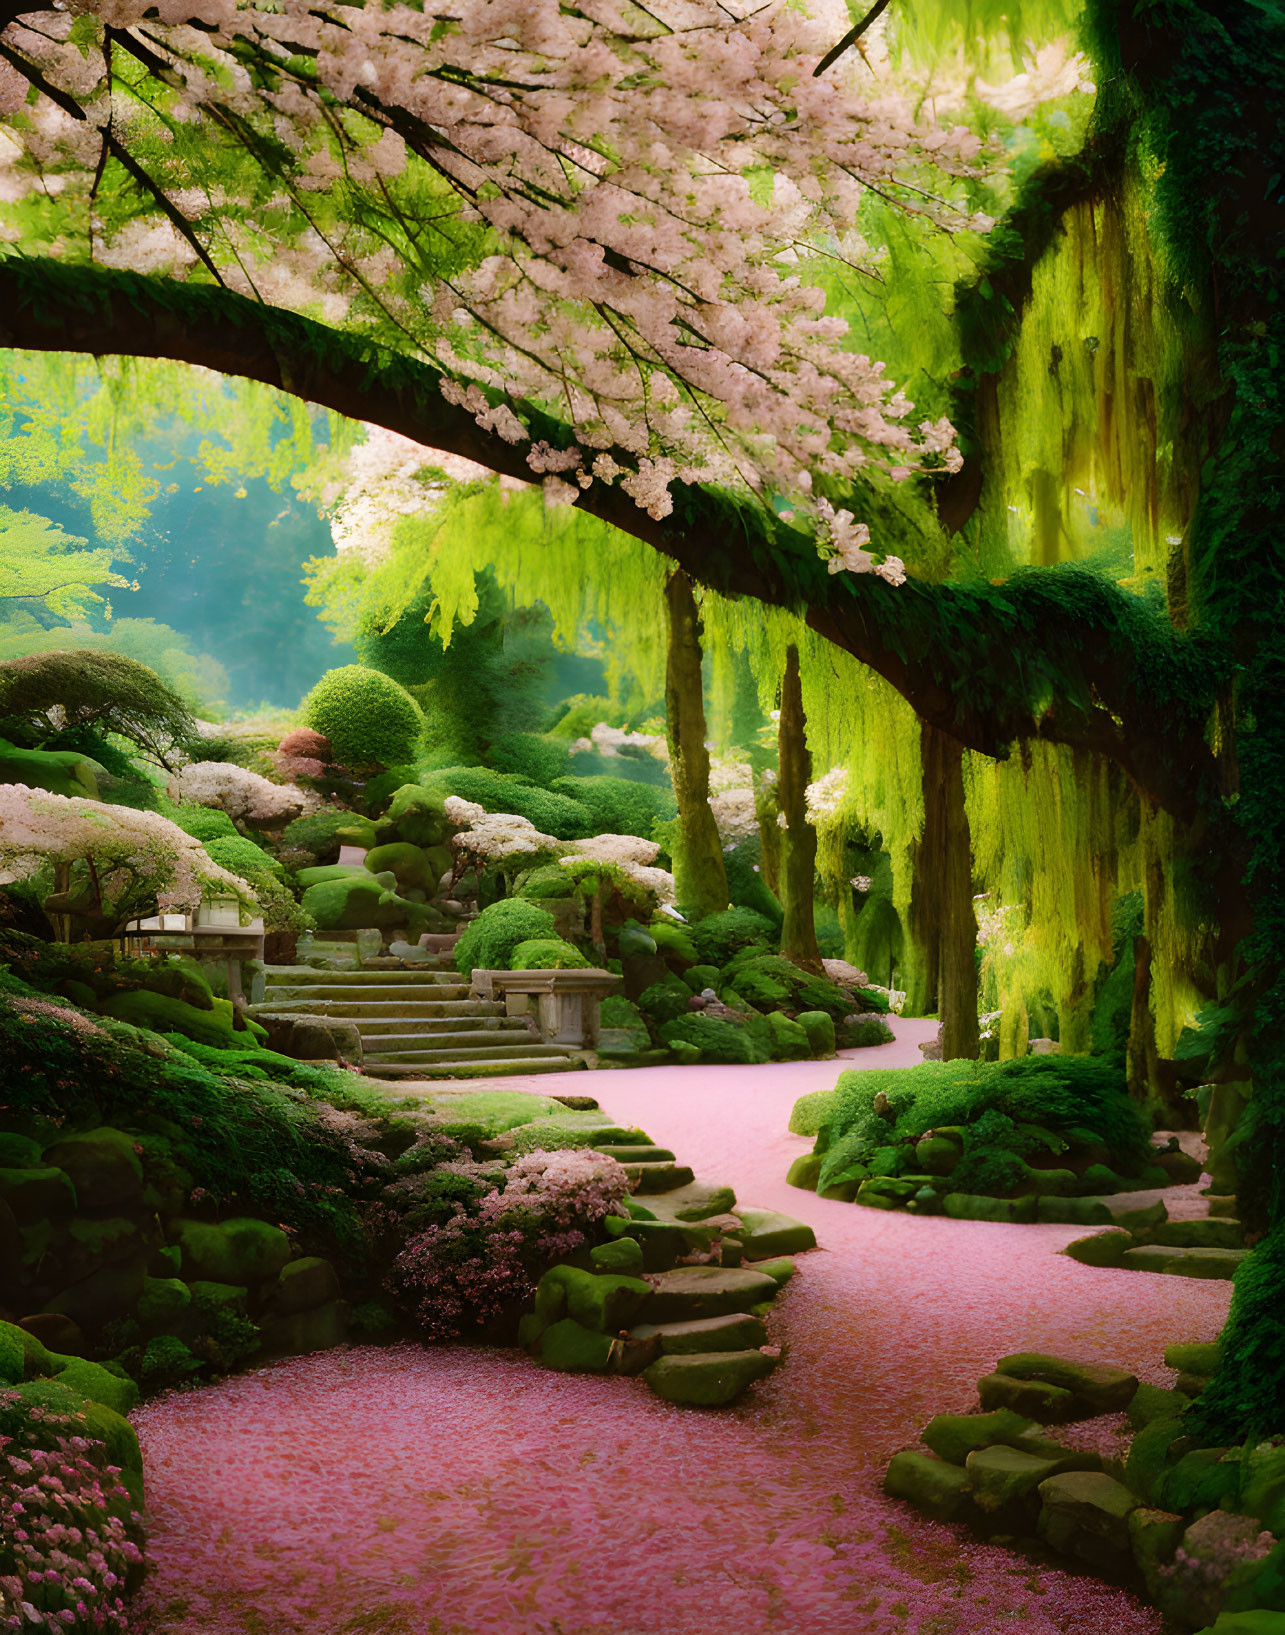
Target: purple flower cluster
(68, 1533)
(492, 1252)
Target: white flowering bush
(617, 848)
(243, 795)
(109, 863)
(493, 837)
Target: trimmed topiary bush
(242, 857)
(620, 806)
(662, 1003)
(368, 718)
(718, 937)
(771, 983)
(547, 954)
(489, 940)
(204, 823)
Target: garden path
(464, 1492)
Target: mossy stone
(36, 1195)
(1153, 1402)
(661, 1242)
(1086, 1513)
(790, 1042)
(1033, 1398)
(975, 1206)
(954, 1436)
(1263, 1488)
(707, 1291)
(805, 1172)
(19, 1151)
(623, 1255)
(103, 1166)
(1195, 1358)
(1154, 1535)
(709, 1379)
(162, 1302)
(712, 1201)
(737, 1331)
(316, 1329)
(1074, 1212)
(1104, 1390)
(819, 1027)
(570, 1348)
(1001, 1475)
(1202, 1480)
(233, 1295)
(1149, 1456)
(938, 1489)
(13, 1355)
(240, 1250)
(810, 1112)
(162, 1014)
(780, 1269)
(937, 1154)
(1101, 1248)
(98, 1384)
(765, 1234)
(604, 1303)
(111, 1292)
(410, 865)
(102, 1423)
(303, 1285)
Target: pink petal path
(453, 1491)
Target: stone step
(421, 1027)
(659, 1177)
(707, 1379)
(448, 1037)
(527, 1047)
(1159, 1257)
(1208, 1233)
(353, 1010)
(735, 1331)
(508, 1068)
(637, 1154)
(313, 977)
(690, 1292)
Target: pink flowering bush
(302, 753)
(69, 1536)
(489, 1252)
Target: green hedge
(620, 806)
(368, 718)
(489, 940)
(553, 814)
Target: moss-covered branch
(1061, 654)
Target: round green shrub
(368, 718)
(718, 937)
(552, 814)
(865, 1031)
(700, 977)
(547, 954)
(540, 760)
(673, 940)
(819, 1027)
(323, 833)
(417, 814)
(489, 940)
(661, 1003)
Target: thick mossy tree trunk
(942, 905)
(798, 838)
(699, 875)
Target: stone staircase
(418, 1022)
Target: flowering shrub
(302, 753)
(243, 795)
(110, 862)
(68, 1533)
(492, 1250)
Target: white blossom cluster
(238, 792)
(493, 836)
(825, 796)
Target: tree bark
(699, 874)
(945, 922)
(798, 838)
(987, 666)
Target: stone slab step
(313, 977)
(735, 1331)
(527, 1048)
(690, 1292)
(426, 1027)
(765, 1234)
(424, 1009)
(638, 1154)
(660, 1177)
(450, 1037)
(504, 1069)
(707, 1379)
(697, 1201)
(1159, 1257)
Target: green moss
(717, 1041)
(718, 937)
(544, 954)
(165, 1015)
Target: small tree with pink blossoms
(69, 1535)
(490, 1254)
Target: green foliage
(121, 782)
(551, 813)
(662, 1003)
(1007, 1105)
(549, 882)
(323, 833)
(867, 1031)
(103, 691)
(489, 940)
(39, 561)
(619, 1012)
(241, 856)
(673, 940)
(547, 954)
(746, 886)
(368, 718)
(718, 937)
(717, 1041)
(540, 760)
(620, 806)
(770, 983)
(581, 714)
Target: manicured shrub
(663, 1003)
(771, 983)
(718, 937)
(203, 823)
(323, 833)
(1032, 1106)
(551, 813)
(862, 1033)
(489, 940)
(819, 1027)
(620, 806)
(539, 759)
(369, 719)
(619, 1012)
(547, 954)
(717, 1041)
(302, 753)
(240, 856)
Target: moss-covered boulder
(410, 866)
(104, 1167)
(765, 1234)
(241, 1250)
(622, 1255)
(819, 1027)
(109, 1293)
(97, 1384)
(571, 1348)
(710, 1379)
(805, 1172)
(303, 1284)
(34, 1195)
(22, 1357)
(162, 1302)
(1086, 1513)
(605, 1303)
(938, 1489)
(316, 1329)
(954, 1436)
(163, 1014)
(1100, 1389)
(364, 901)
(102, 1423)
